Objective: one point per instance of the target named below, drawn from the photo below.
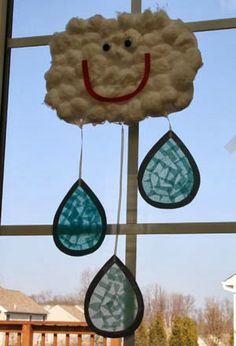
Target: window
(42, 158)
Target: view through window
(42, 162)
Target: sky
(42, 162)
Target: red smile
(123, 98)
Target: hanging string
(170, 127)
(120, 189)
(81, 153)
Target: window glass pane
(34, 264)
(36, 18)
(205, 127)
(42, 162)
(42, 153)
(190, 10)
(187, 264)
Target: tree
(141, 335)
(216, 321)
(157, 333)
(86, 277)
(169, 305)
(184, 332)
(48, 298)
(44, 297)
(181, 305)
(156, 301)
(231, 339)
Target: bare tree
(47, 296)
(181, 305)
(43, 297)
(156, 301)
(215, 321)
(86, 277)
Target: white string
(81, 153)
(170, 127)
(120, 189)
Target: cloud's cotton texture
(115, 51)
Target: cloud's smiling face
(121, 70)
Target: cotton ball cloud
(121, 70)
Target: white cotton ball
(184, 98)
(60, 42)
(67, 92)
(95, 23)
(161, 66)
(79, 105)
(135, 111)
(108, 28)
(168, 94)
(52, 78)
(91, 49)
(76, 26)
(96, 114)
(160, 20)
(52, 97)
(73, 56)
(60, 59)
(182, 76)
(171, 32)
(133, 35)
(151, 103)
(90, 37)
(151, 39)
(149, 21)
(185, 40)
(65, 110)
(117, 53)
(193, 56)
(125, 21)
(110, 73)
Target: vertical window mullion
(131, 211)
(6, 16)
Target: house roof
(74, 310)
(16, 301)
(231, 276)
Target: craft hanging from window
(168, 176)
(122, 71)
(79, 225)
(113, 302)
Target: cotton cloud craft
(122, 71)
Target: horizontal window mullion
(132, 229)
(34, 41)
(209, 25)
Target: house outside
(15, 305)
(65, 313)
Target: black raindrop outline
(62, 247)
(139, 316)
(148, 157)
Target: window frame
(131, 229)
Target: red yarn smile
(123, 98)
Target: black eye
(106, 47)
(128, 43)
